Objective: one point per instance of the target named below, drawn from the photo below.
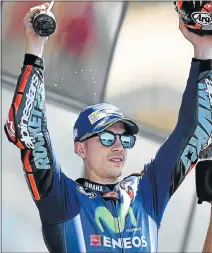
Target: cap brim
(133, 128)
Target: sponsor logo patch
(202, 18)
(10, 125)
(91, 195)
(126, 243)
(93, 187)
(95, 240)
(100, 114)
(111, 195)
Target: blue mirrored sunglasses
(108, 138)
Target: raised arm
(180, 152)
(26, 127)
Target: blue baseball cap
(96, 118)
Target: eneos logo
(126, 243)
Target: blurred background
(129, 54)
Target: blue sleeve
(180, 152)
(26, 127)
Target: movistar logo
(103, 216)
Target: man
(101, 214)
(208, 240)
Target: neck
(101, 180)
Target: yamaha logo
(91, 195)
(202, 18)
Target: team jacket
(83, 216)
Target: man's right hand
(34, 42)
(202, 44)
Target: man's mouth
(116, 160)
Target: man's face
(101, 161)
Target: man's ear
(80, 149)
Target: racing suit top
(84, 216)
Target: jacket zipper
(120, 235)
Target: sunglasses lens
(127, 141)
(107, 139)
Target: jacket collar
(106, 191)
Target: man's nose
(117, 146)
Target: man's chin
(116, 172)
